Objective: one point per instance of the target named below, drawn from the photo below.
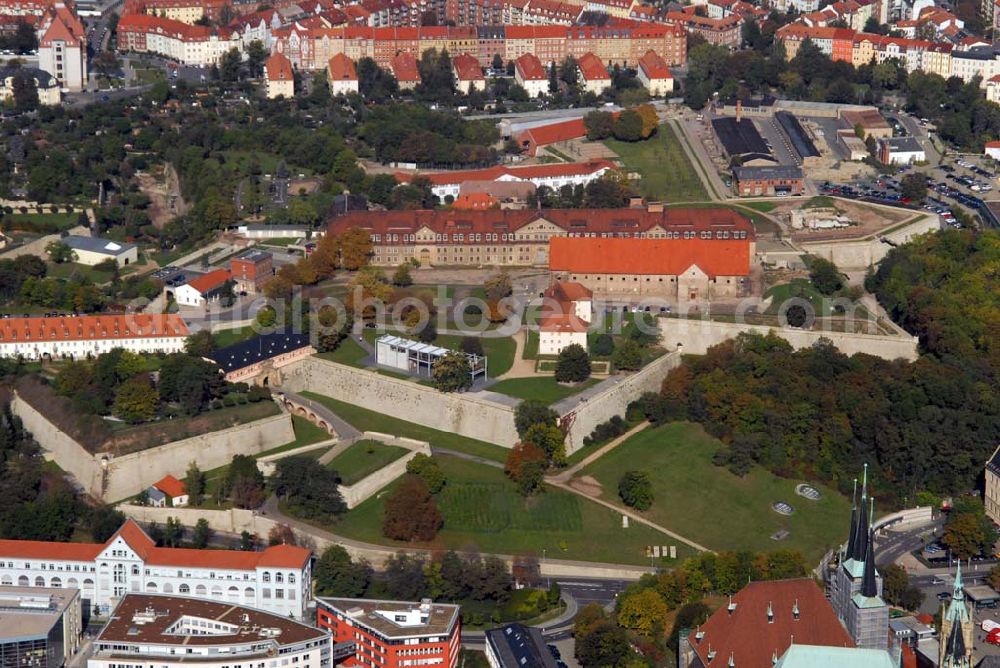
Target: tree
(200, 344)
(531, 412)
(337, 575)
(310, 489)
(59, 252)
(194, 484)
(966, 536)
(636, 490)
(604, 345)
(248, 541)
(628, 356)
(897, 590)
(256, 55)
(404, 577)
(550, 439)
(452, 372)
(525, 465)
(173, 532)
(227, 294)
(573, 365)
(201, 535)
(825, 275)
(428, 469)
(410, 512)
(644, 612)
(603, 644)
(913, 186)
(136, 401)
(104, 522)
(472, 345)
(650, 121)
(628, 126)
(25, 91)
(401, 278)
(599, 125)
(230, 65)
(281, 534)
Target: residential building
(404, 68)
(48, 88)
(468, 73)
(770, 180)
(80, 336)
(94, 250)
(276, 580)
(40, 627)
(185, 11)
(176, 631)
(521, 237)
(518, 646)
(566, 317)
(552, 175)
(900, 151)
(167, 492)
(197, 45)
(654, 74)
(273, 231)
(760, 623)
(699, 266)
(255, 360)
(62, 47)
(727, 32)
(991, 497)
(279, 76)
(594, 77)
(957, 626)
(993, 89)
(201, 290)
(531, 75)
(392, 634)
(250, 270)
(341, 75)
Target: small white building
(273, 231)
(418, 358)
(594, 77)
(178, 631)
(568, 311)
(900, 151)
(202, 290)
(468, 73)
(94, 250)
(531, 75)
(167, 492)
(75, 337)
(654, 74)
(992, 150)
(341, 75)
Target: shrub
(604, 345)
(573, 365)
(636, 490)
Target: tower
(956, 628)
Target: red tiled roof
(654, 66)
(404, 67)
(568, 291)
(663, 257)
(530, 68)
(592, 68)
(145, 23)
(278, 67)
(92, 327)
(562, 322)
(37, 549)
(555, 132)
(750, 639)
(994, 144)
(342, 68)
(170, 486)
(477, 201)
(210, 281)
(467, 68)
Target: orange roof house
(279, 75)
(468, 72)
(170, 486)
(342, 75)
(404, 68)
(593, 74)
(655, 75)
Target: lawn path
(563, 477)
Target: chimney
(698, 634)
(731, 608)
(732, 662)
(795, 610)
(739, 110)
(770, 613)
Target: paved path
(521, 368)
(565, 476)
(464, 455)
(344, 430)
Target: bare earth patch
(587, 485)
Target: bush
(573, 365)
(604, 345)
(606, 431)
(628, 356)
(636, 490)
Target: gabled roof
(562, 322)
(258, 348)
(592, 68)
(530, 68)
(744, 631)
(654, 66)
(211, 281)
(91, 327)
(467, 68)
(663, 257)
(555, 132)
(527, 172)
(278, 67)
(569, 291)
(170, 486)
(404, 67)
(97, 245)
(342, 68)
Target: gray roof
(98, 245)
(29, 613)
(42, 78)
(518, 646)
(768, 172)
(903, 144)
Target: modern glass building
(39, 628)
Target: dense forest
(927, 425)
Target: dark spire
(869, 585)
(854, 521)
(955, 649)
(861, 534)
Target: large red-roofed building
(276, 580)
(77, 337)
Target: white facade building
(62, 47)
(201, 290)
(80, 336)
(178, 632)
(93, 250)
(276, 580)
(569, 310)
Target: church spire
(851, 537)
(861, 532)
(869, 584)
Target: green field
(348, 352)
(540, 388)
(363, 458)
(42, 223)
(228, 337)
(482, 510)
(763, 207)
(800, 288)
(363, 419)
(70, 269)
(667, 174)
(712, 506)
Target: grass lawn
(482, 510)
(364, 458)
(667, 174)
(70, 269)
(366, 420)
(797, 287)
(348, 352)
(42, 223)
(540, 388)
(228, 337)
(763, 207)
(281, 242)
(714, 507)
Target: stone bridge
(317, 413)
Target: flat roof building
(418, 358)
(39, 627)
(94, 250)
(772, 180)
(517, 646)
(390, 634)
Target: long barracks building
(521, 237)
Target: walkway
(344, 431)
(521, 368)
(565, 476)
(464, 455)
